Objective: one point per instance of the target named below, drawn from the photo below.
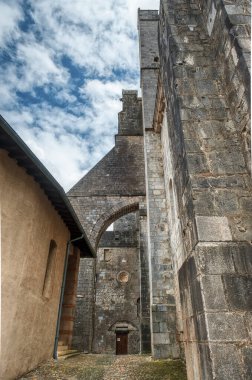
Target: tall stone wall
(162, 303)
(232, 21)
(116, 301)
(175, 231)
(201, 116)
(113, 188)
(84, 309)
(194, 160)
(117, 287)
(145, 338)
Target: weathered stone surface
(213, 228)
(194, 157)
(243, 259)
(238, 291)
(116, 185)
(247, 359)
(205, 361)
(117, 301)
(83, 318)
(226, 327)
(226, 362)
(214, 258)
(213, 293)
(161, 273)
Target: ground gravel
(109, 367)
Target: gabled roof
(121, 171)
(18, 150)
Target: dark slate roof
(19, 151)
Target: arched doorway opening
(111, 216)
(117, 289)
(112, 283)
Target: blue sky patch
(63, 66)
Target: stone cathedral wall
(114, 188)
(189, 142)
(196, 89)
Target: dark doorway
(121, 343)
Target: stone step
(67, 352)
(69, 355)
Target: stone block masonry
(113, 188)
(162, 302)
(182, 159)
(84, 310)
(117, 293)
(175, 275)
(116, 184)
(203, 100)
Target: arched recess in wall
(49, 272)
(116, 212)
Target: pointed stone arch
(116, 185)
(117, 211)
(111, 189)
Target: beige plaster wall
(28, 223)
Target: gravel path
(109, 367)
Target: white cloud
(38, 67)
(63, 154)
(7, 96)
(96, 35)
(10, 14)
(72, 125)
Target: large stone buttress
(196, 110)
(182, 158)
(162, 302)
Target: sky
(63, 65)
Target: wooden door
(121, 343)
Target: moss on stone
(110, 367)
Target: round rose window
(123, 276)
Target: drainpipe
(55, 355)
